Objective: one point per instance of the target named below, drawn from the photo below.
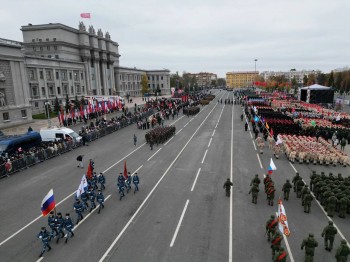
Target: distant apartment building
(240, 79)
(289, 75)
(203, 79)
(128, 81)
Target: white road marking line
(154, 154)
(210, 142)
(191, 119)
(151, 192)
(186, 124)
(205, 154)
(177, 120)
(168, 141)
(259, 161)
(216, 126)
(179, 224)
(137, 170)
(179, 131)
(254, 144)
(195, 180)
(287, 245)
(293, 167)
(213, 133)
(231, 197)
(251, 134)
(40, 259)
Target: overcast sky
(215, 36)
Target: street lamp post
(255, 60)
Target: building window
(162, 85)
(82, 76)
(49, 75)
(34, 48)
(70, 75)
(152, 78)
(36, 104)
(24, 113)
(6, 116)
(47, 40)
(48, 48)
(55, 47)
(76, 76)
(82, 89)
(41, 48)
(93, 76)
(54, 39)
(58, 90)
(33, 40)
(51, 90)
(43, 91)
(107, 65)
(157, 78)
(57, 75)
(161, 78)
(31, 75)
(40, 40)
(56, 56)
(64, 75)
(41, 73)
(71, 90)
(35, 92)
(148, 78)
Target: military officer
(51, 220)
(304, 191)
(227, 186)
(286, 189)
(78, 207)
(276, 243)
(59, 226)
(329, 233)
(255, 180)
(45, 238)
(280, 256)
(92, 197)
(136, 181)
(331, 204)
(313, 176)
(307, 202)
(343, 205)
(254, 190)
(296, 178)
(299, 186)
(101, 180)
(310, 244)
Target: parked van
(59, 133)
(10, 144)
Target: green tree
(331, 79)
(222, 82)
(213, 83)
(67, 106)
(76, 103)
(305, 80)
(144, 84)
(321, 79)
(338, 77)
(82, 101)
(56, 107)
(295, 85)
(311, 79)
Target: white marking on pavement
(287, 245)
(195, 180)
(179, 131)
(176, 120)
(154, 154)
(259, 161)
(168, 141)
(191, 119)
(179, 224)
(186, 124)
(254, 144)
(231, 197)
(213, 133)
(40, 259)
(251, 134)
(151, 192)
(210, 142)
(293, 167)
(216, 126)
(206, 151)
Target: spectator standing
(80, 161)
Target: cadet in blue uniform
(101, 180)
(121, 178)
(100, 199)
(78, 207)
(59, 226)
(136, 181)
(52, 224)
(84, 198)
(45, 238)
(92, 197)
(68, 226)
(121, 187)
(128, 183)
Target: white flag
(272, 165)
(82, 186)
(282, 219)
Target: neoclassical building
(55, 60)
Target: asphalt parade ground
(181, 212)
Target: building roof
(316, 87)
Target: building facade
(203, 79)
(289, 75)
(128, 81)
(15, 106)
(63, 61)
(240, 79)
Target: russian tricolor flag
(48, 203)
(271, 167)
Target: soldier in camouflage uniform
(307, 202)
(271, 226)
(255, 180)
(342, 252)
(343, 205)
(254, 190)
(281, 256)
(331, 205)
(299, 187)
(296, 178)
(313, 176)
(304, 191)
(270, 195)
(276, 243)
(310, 244)
(329, 233)
(286, 189)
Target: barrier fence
(42, 154)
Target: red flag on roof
(125, 170)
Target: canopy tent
(317, 94)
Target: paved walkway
(37, 124)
